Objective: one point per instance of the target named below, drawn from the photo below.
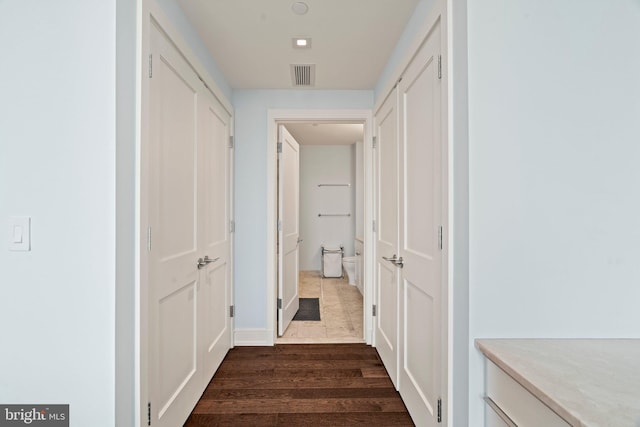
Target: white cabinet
(510, 404)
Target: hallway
(341, 319)
(296, 385)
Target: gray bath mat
(309, 309)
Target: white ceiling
(326, 133)
(250, 40)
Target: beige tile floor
(340, 312)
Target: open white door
(288, 227)
(386, 238)
(421, 234)
(188, 240)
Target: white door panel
(289, 233)
(215, 160)
(216, 325)
(174, 280)
(386, 238)
(188, 204)
(420, 220)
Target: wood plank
(297, 393)
(274, 383)
(301, 364)
(269, 406)
(387, 419)
(232, 420)
(339, 355)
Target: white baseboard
(250, 337)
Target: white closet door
(175, 380)
(420, 221)
(386, 238)
(189, 326)
(289, 228)
(215, 160)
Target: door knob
(203, 262)
(398, 262)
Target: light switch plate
(20, 233)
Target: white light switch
(17, 234)
(20, 233)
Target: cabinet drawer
(519, 405)
(494, 417)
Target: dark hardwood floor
(301, 385)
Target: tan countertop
(588, 382)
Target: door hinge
(374, 225)
(149, 239)
(374, 310)
(231, 141)
(374, 141)
(279, 225)
(440, 233)
(279, 303)
(279, 147)
(148, 413)
(150, 65)
(232, 226)
(439, 410)
(439, 66)
(232, 311)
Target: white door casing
(187, 217)
(274, 117)
(421, 219)
(386, 236)
(288, 227)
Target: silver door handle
(202, 263)
(398, 262)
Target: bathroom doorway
(332, 210)
(330, 234)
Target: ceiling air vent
(303, 75)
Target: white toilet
(349, 264)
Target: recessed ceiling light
(301, 42)
(300, 8)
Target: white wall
(325, 164)
(554, 101)
(57, 165)
(251, 179)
